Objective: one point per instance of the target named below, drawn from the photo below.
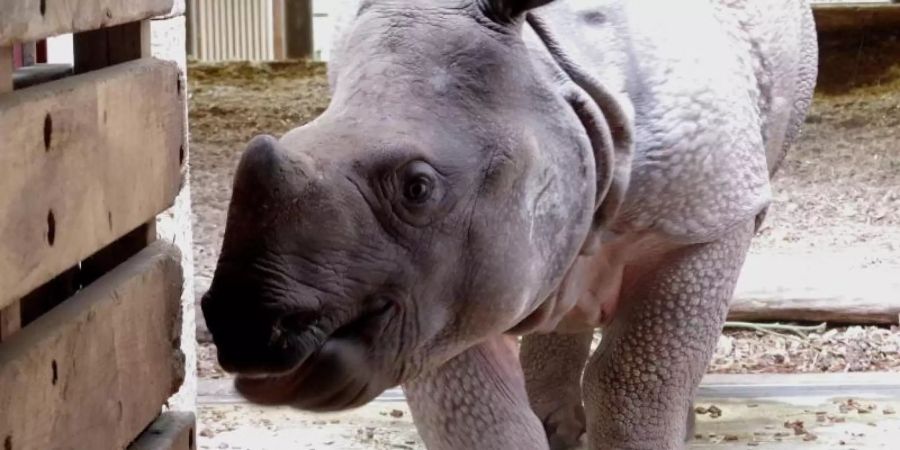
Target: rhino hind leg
(639, 384)
(553, 364)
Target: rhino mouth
(341, 373)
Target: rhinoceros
(490, 171)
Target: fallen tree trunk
(812, 288)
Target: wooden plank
(221, 391)
(105, 47)
(10, 320)
(32, 20)
(861, 16)
(6, 69)
(815, 288)
(278, 34)
(171, 431)
(779, 385)
(94, 371)
(298, 29)
(83, 161)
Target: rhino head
(439, 200)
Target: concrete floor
(754, 411)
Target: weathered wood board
(10, 320)
(83, 161)
(95, 371)
(171, 431)
(837, 17)
(6, 69)
(818, 288)
(31, 20)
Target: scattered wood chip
(396, 413)
(731, 437)
(888, 411)
(797, 426)
(809, 436)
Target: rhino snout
(254, 339)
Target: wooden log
(836, 17)
(815, 289)
(94, 371)
(32, 20)
(83, 161)
(39, 74)
(171, 431)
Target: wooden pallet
(90, 302)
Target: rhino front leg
(640, 383)
(553, 364)
(476, 401)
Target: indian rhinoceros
(495, 169)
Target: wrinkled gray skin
(487, 169)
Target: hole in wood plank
(7, 443)
(43, 7)
(109, 219)
(48, 132)
(181, 155)
(51, 228)
(55, 372)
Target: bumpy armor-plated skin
(489, 169)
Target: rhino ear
(509, 10)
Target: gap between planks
(171, 431)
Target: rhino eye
(419, 183)
(418, 190)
